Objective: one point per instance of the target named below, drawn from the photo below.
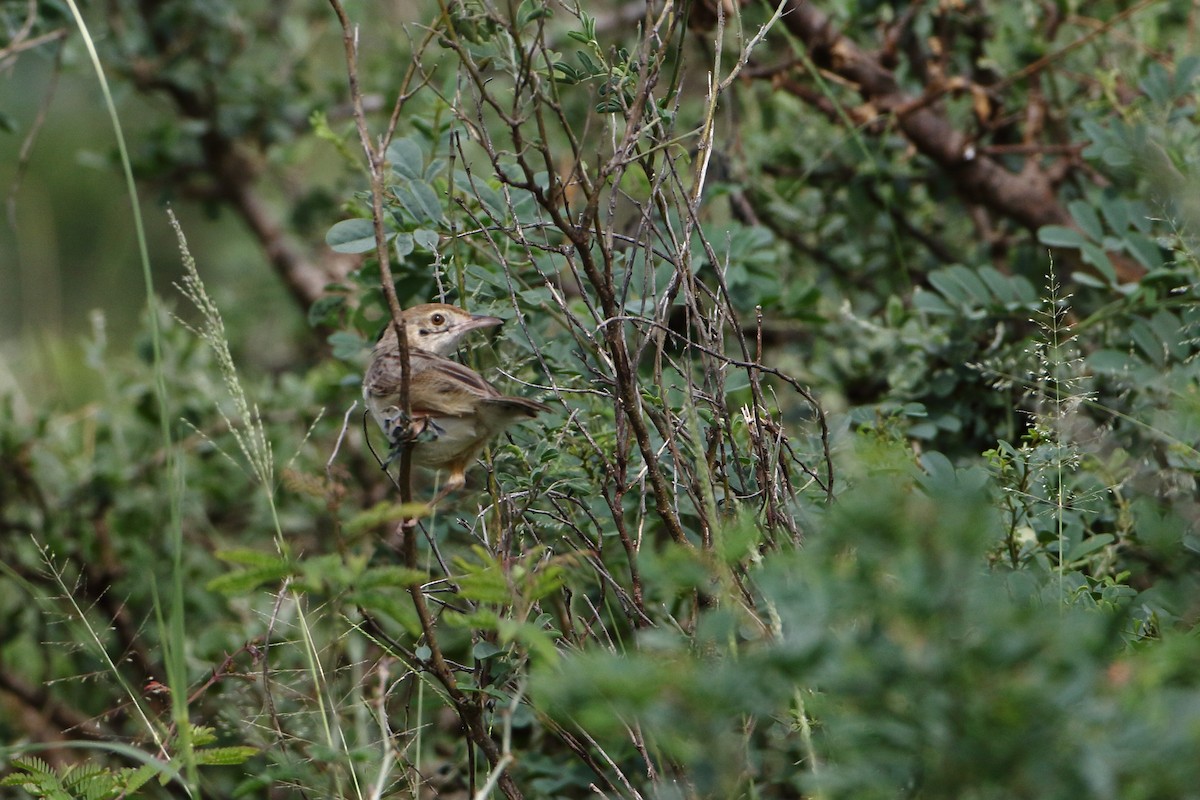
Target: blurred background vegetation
(869, 331)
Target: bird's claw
(403, 431)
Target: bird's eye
(438, 319)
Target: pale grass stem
(172, 625)
(94, 637)
(251, 436)
(1060, 371)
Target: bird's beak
(481, 321)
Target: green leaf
(346, 346)
(406, 158)
(384, 513)
(610, 106)
(1109, 362)
(1088, 220)
(1012, 291)
(1090, 280)
(484, 649)
(1157, 85)
(225, 756)
(489, 198)
(246, 557)
(325, 310)
(480, 619)
(421, 201)
(536, 640)
(1140, 216)
(999, 285)
(202, 735)
(486, 275)
(1087, 546)
(590, 67)
(1144, 249)
(392, 603)
(403, 245)
(1099, 259)
(1116, 212)
(1186, 72)
(243, 581)
(329, 572)
(133, 779)
(34, 766)
(937, 466)
(1148, 341)
(1060, 236)
(564, 73)
(962, 287)
(530, 11)
(351, 236)
(546, 581)
(426, 239)
(1117, 155)
(485, 586)
(1169, 329)
(392, 576)
(930, 303)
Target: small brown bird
(455, 412)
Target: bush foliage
(868, 334)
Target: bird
(431, 329)
(455, 412)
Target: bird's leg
(456, 480)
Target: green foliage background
(968, 569)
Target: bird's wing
(517, 406)
(448, 388)
(383, 376)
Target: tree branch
(1027, 197)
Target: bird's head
(438, 327)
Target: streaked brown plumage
(455, 412)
